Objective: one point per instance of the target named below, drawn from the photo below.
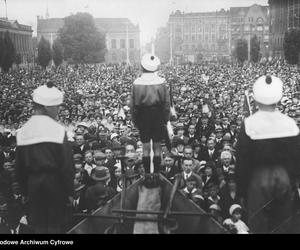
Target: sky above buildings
(149, 14)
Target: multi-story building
(247, 22)
(284, 15)
(122, 37)
(21, 36)
(199, 35)
(162, 44)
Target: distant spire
(47, 12)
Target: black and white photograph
(149, 117)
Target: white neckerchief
(39, 129)
(269, 125)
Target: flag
(247, 108)
(121, 112)
(206, 110)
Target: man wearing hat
(203, 126)
(44, 162)
(150, 109)
(99, 193)
(268, 159)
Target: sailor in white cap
(268, 159)
(150, 109)
(44, 162)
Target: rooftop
(235, 11)
(178, 13)
(14, 25)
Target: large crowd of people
(211, 101)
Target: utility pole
(6, 9)
(249, 42)
(171, 44)
(127, 45)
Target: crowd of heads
(209, 100)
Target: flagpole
(248, 101)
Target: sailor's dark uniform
(45, 171)
(268, 161)
(150, 106)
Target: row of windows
(122, 56)
(122, 43)
(250, 20)
(252, 28)
(210, 37)
(206, 28)
(206, 46)
(278, 41)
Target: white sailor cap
(48, 95)
(150, 62)
(268, 90)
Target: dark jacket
(206, 157)
(97, 195)
(170, 175)
(227, 201)
(150, 91)
(252, 154)
(45, 170)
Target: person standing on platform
(150, 109)
(44, 163)
(268, 160)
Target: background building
(162, 44)
(21, 36)
(122, 37)
(249, 21)
(284, 15)
(196, 36)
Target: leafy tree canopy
(81, 40)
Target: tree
(2, 49)
(291, 46)
(44, 53)
(255, 49)
(57, 49)
(81, 40)
(8, 55)
(241, 51)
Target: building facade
(199, 36)
(284, 15)
(21, 36)
(122, 37)
(247, 22)
(162, 44)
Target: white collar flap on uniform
(149, 79)
(269, 125)
(39, 129)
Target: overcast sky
(149, 14)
